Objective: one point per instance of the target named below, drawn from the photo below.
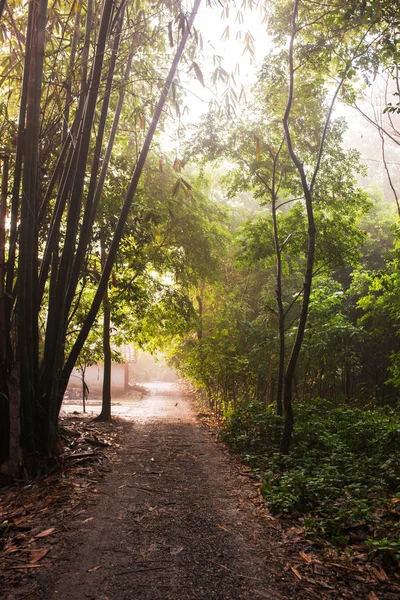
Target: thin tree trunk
(72, 58)
(105, 414)
(18, 162)
(94, 191)
(308, 196)
(4, 333)
(13, 465)
(4, 329)
(281, 314)
(84, 389)
(2, 6)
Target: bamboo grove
(75, 74)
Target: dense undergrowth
(342, 477)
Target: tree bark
(27, 316)
(105, 414)
(4, 330)
(18, 162)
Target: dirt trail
(173, 519)
(169, 522)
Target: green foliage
(253, 430)
(387, 548)
(343, 469)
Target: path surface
(174, 519)
(171, 520)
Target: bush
(253, 430)
(342, 471)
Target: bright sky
(224, 33)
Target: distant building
(138, 367)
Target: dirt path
(174, 519)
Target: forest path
(175, 519)
(172, 520)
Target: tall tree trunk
(278, 279)
(105, 414)
(92, 196)
(27, 317)
(72, 58)
(4, 330)
(18, 161)
(281, 314)
(308, 189)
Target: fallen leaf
(380, 574)
(37, 555)
(94, 569)
(45, 533)
(295, 571)
(372, 596)
(87, 520)
(305, 557)
(176, 550)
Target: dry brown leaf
(87, 520)
(37, 555)
(94, 569)
(305, 557)
(177, 550)
(380, 574)
(45, 533)
(372, 596)
(295, 571)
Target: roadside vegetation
(341, 480)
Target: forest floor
(165, 512)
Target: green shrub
(342, 470)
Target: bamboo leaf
(177, 187)
(198, 72)
(225, 34)
(186, 184)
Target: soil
(178, 517)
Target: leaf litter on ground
(30, 511)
